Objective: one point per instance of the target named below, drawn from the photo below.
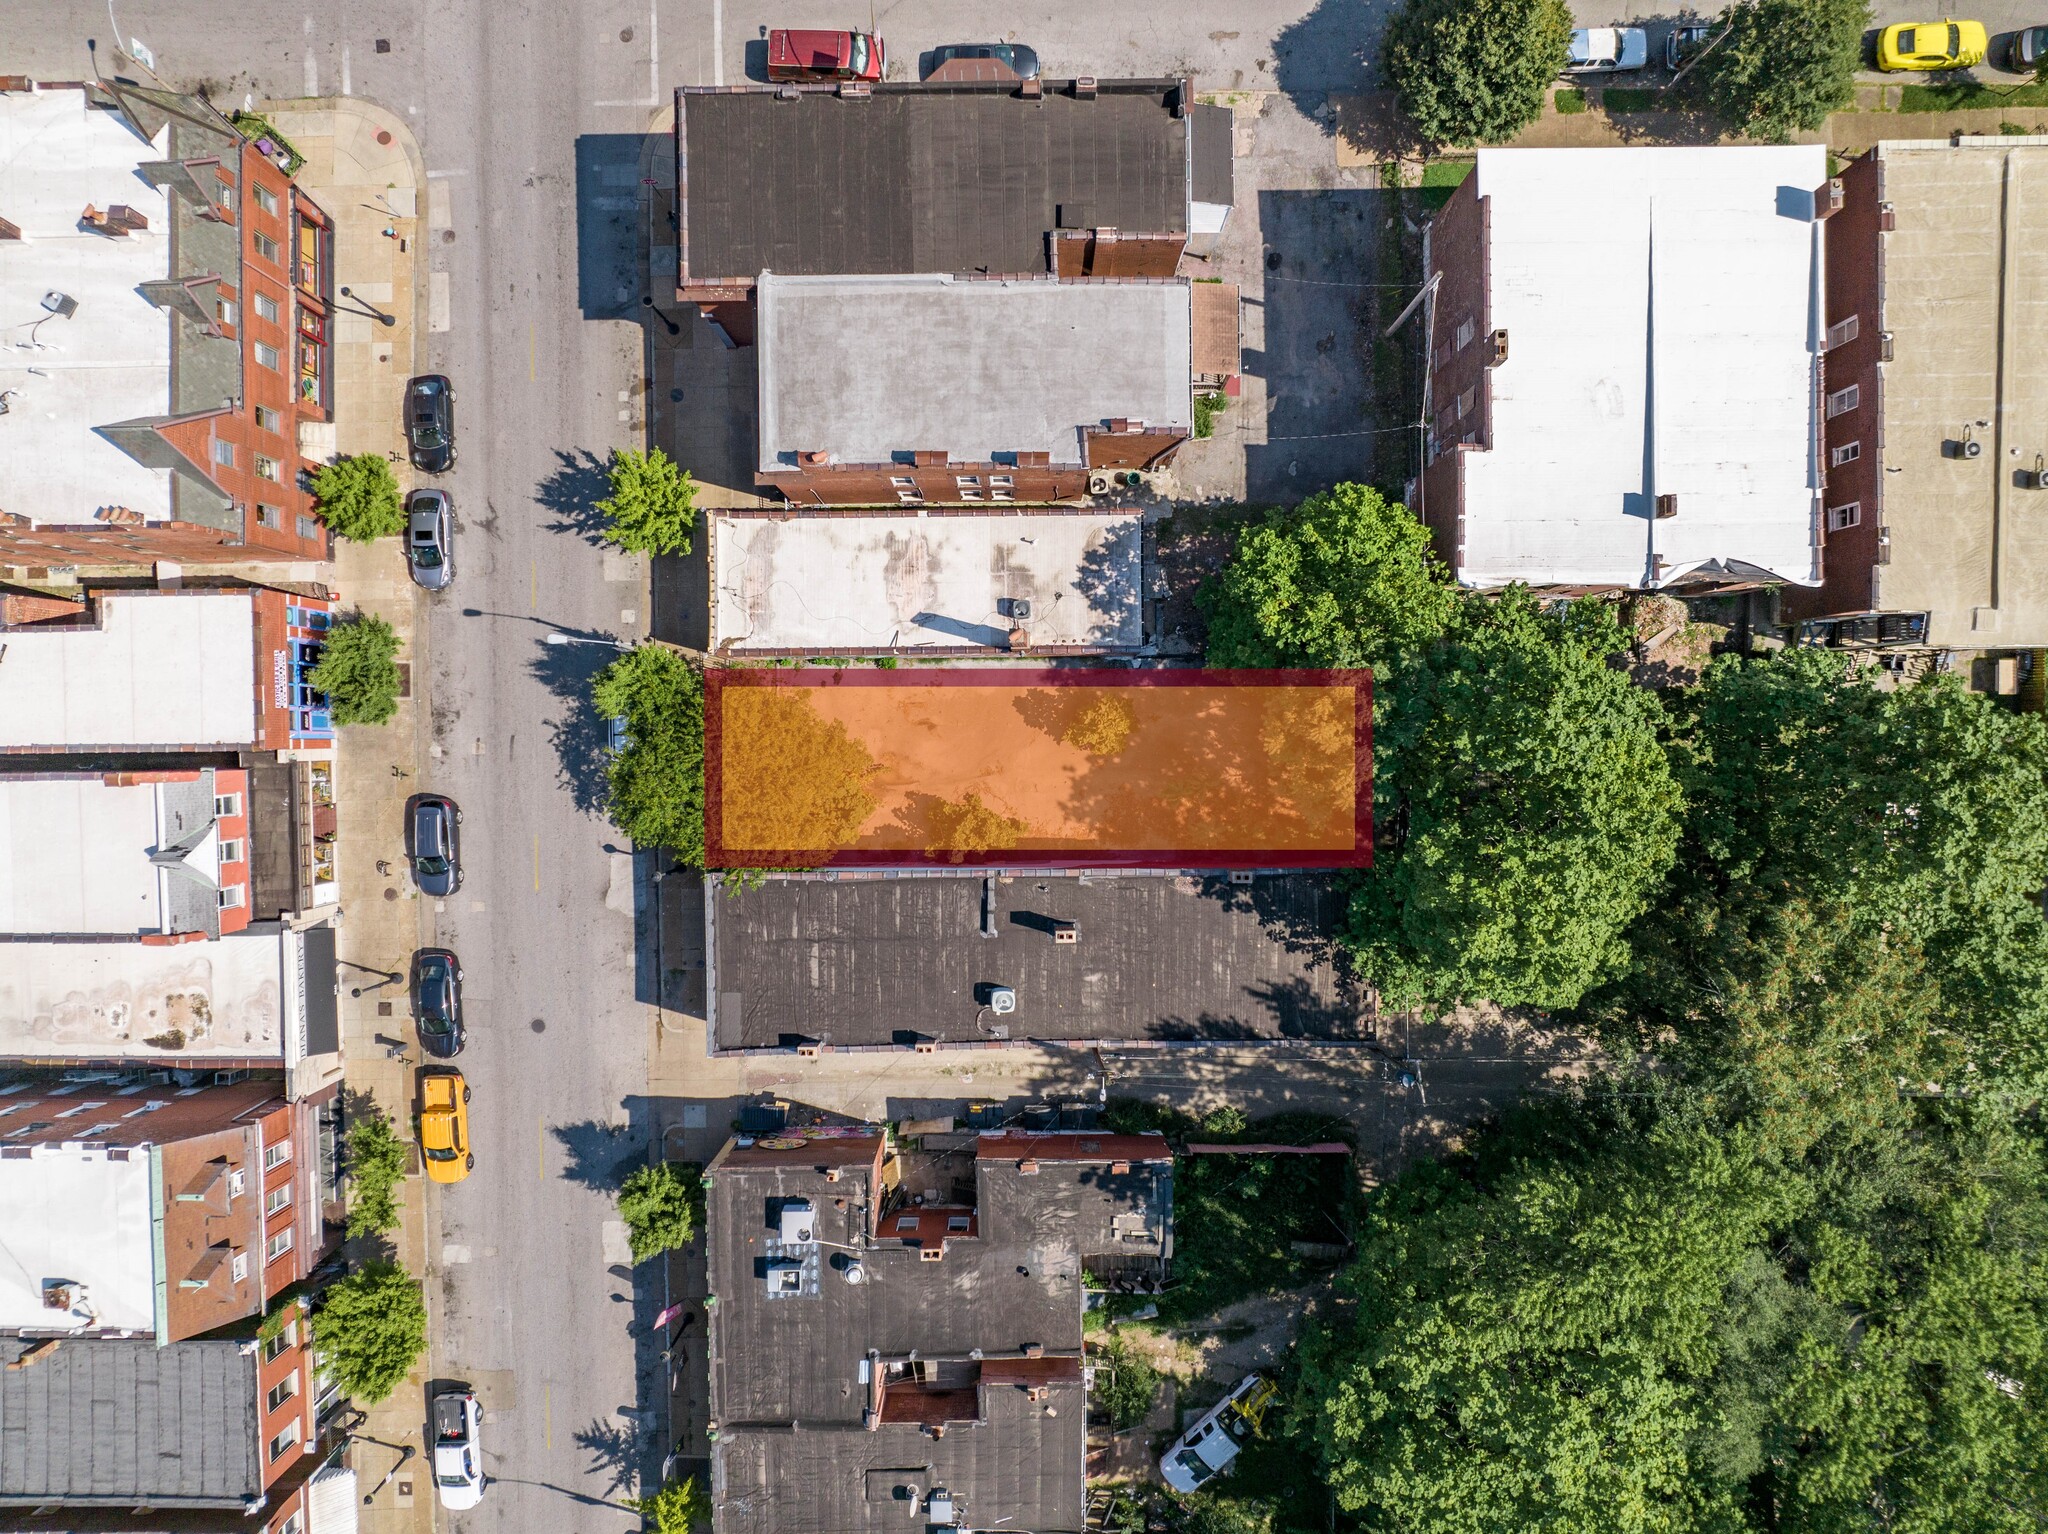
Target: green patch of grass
(1236, 1218)
(1623, 99)
(1569, 103)
(1207, 407)
(1440, 178)
(1967, 96)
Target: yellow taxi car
(1944, 44)
(444, 1125)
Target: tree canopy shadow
(579, 480)
(600, 1154)
(616, 1451)
(581, 737)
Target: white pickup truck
(458, 1460)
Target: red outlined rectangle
(1002, 766)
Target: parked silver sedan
(430, 538)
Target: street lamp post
(368, 311)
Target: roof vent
(1667, 507)
(1498, 348)
(1084, 87)
(1887, 218)
(63, 305)
(798, 1223)
(1828, 200)
(854, 1273)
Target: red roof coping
(1071, 1145)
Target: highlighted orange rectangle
(1030, 767)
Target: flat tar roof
(110, 360)
(82, 1217)
(876, 961)
(919, 178)
(75, 856)
(229, 998)
(158, 669)
(871, 369)
(881, 583)
(1963, 304)
(1663, 310)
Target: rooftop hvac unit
(63, 305)
(940, 1509)
(785, 1278)
(1002, 1000)
(799, 1223)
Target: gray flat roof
(875, 961)
(917, 178)
(112, 1423)
(872, 369)
(1962, 300)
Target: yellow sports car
(1945, 44)
(444, 1125)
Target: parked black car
(2028, 47)
(433, 843)
(430, 423)
(437, 1001)
(430, 538)
(1020, 60)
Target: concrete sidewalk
(364, 168)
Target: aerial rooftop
(115, 1424)
(896, 582)
(893, 1329)
(868, 370)
(152, 669)
(923, 178)
(79, 1239)
(80, 854)
(1663, 314)
(879, 961)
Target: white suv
(458, 1461)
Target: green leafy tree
(662, 1206)
(1125, 1384)
(371, 1329)
(677, 1508)
(358, 498)
(1527, 807)
(1465, 71)
(656, 783)
(1915, 817)
(1344, 579)
(358, 670)
(376, 1162)
(1784, 66)
(651, 508)
(1210, 1513)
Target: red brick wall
(284, 1131)
(35, 551)
(1855, 273)
(883, 484)
(1458, 249)
(284, 1379)
(234, 828)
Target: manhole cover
(675, 396)
(539, 1025)
(383, 45)
(390, 893)
(1272, 260)
(384, 135)
(383, 1009)
(447, 236)
(625, 34)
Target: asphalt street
(532, 117)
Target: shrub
(1465, 72)
(677, 1508)
(1124, 1383)
(651, 508)
(358, 498)
(1208, 405)
(376, 1162)
(358, 671)
(662, 1207)
(371, 1329)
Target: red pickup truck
(794, 55)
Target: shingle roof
(921, 178)
(108, 1422)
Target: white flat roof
(111, 360)
(74, 856)
(159, 670)
(865, 368)
(905, 582)
(1663, 310)
(82, 1217)
(220, 999)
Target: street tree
(809, 784)
(662, 1206)
(1125, 1384)
(1468, 72)
(655, 785)
(358, 670)
(651, 507)
(1527, 811)
(358, 498)
(1784, 65)
(376, 1163)
(677, 1508)
(371, 1328)
(1346, 578)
